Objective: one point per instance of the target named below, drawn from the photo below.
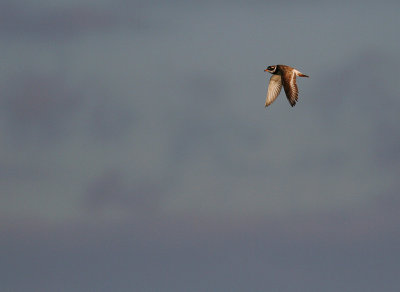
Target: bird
(286, 76)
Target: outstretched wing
(274, 88)
(290, 86)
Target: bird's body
(286, 76)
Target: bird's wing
(274, 88)
(290, 86)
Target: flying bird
(286, 76)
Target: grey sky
(136, 153)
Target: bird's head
(270, 69)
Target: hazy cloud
(112, 192)
(39, 105)
(147, 161)
(61, 21)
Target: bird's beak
(266, 70)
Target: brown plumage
(286, 76)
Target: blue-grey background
(136, 153)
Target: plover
(286, 76)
